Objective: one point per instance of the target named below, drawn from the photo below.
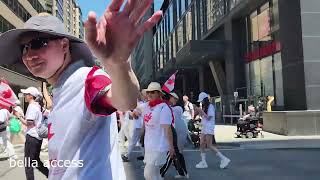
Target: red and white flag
(169, 84)
(7, 96)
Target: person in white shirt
(207, 139)
(33, 142)
(82, 124)
(137, 129)
(181, 133)
(4, 140)
(188, 112)
(158, 140)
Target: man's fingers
(149, 23)
(115, 5)
(128, 7)
(139, 10)
(91, 28)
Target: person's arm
(165, 123)
(169, 136)
(192, 110)
(46, 95)
(112, 40)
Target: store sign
(264, 51)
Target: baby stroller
(194, 132)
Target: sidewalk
(225, 136)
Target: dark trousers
(178, 161)
(32, 151)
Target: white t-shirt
(188, 108)
(4, 115)
(138, 123)
(179, 123)
(209, 123)
(34, 113)
(155, 137)
(81, 131)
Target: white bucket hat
(174, 95)
(45, 24)
(154, 86)
(32, 90)
(202, 96)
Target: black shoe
(140, 158)
(125, 158)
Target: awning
(200, 51)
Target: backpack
(42, 129)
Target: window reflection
(189, 26)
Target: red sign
(263, 52)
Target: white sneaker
(179, 176)
(224, 162)
(201, 165)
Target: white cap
(31, 90)
(174, 95)
(202, 96)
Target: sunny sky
(99, 6)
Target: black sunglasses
(37, 44)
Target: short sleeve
(190, 106)
(32, 113)
(211, 110)
(97, 84)
(166, 115)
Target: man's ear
(65, 45)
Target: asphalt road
(272, 164)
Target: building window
(183, 6)
(264, 76)
(5, 25)
(171, 17)
(178, 10)
(189, 25)
(195, 20)
(215, 11)
(174, 44)
(180, 35)
(36, 5)
(17, 9)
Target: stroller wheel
(243, 136)
(250, 135)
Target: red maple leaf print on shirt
(49, 132)
(147, 117)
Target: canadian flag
(169, 84)
(7, 96)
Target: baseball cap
(202, 96)
(31, 90)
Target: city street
(247, 164)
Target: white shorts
(155, 158)
(207, 130)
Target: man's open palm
(114, 36)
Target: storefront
(263, 65)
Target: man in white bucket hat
(158, 139)
(82, 124)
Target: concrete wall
(292, 123)
(292, 55)
(310, 15)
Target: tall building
(242, 50)
(70, 13)
(141, 57)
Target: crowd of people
(162, 131)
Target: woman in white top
(207, 139)
(4, 141)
